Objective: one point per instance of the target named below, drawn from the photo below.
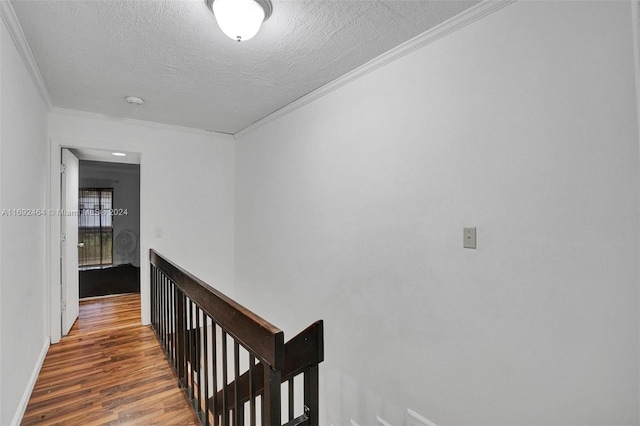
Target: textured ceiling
(94, 53)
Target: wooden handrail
(253, 331)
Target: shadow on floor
(116, 280)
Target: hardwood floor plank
(109, 370)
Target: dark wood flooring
(109, 370)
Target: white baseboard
(24, 401)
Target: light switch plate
(469, 238)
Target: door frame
(53, 302)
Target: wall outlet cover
(469, 238)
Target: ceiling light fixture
(119, 154)
(240, 19)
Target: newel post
(271, 407)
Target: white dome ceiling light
(240, 19)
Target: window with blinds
(95, 227)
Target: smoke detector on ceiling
(134, 100)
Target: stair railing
(232, 364)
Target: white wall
(186, 186)
(351, 208)
(2, 35)
(23, 185)
(125, 181)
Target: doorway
(109, 228)
(124, 231)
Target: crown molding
(13, 26)
(459, 21)
(136, 122)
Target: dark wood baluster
(167, 329)
(185, 342)
(190, 351)
(239, 412)
(157, 299)
(196, 361)
(158, 303)
(153, 296)
(194, 354)
(169, 322)
(214, 378)
(186, 345)
(175, 321)
(163, 322)
(225, 411)
(167, 326)
(164, 312)
(172, 324)
(205, 347)
(252, 390)
(160, 306)
(157, 288)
